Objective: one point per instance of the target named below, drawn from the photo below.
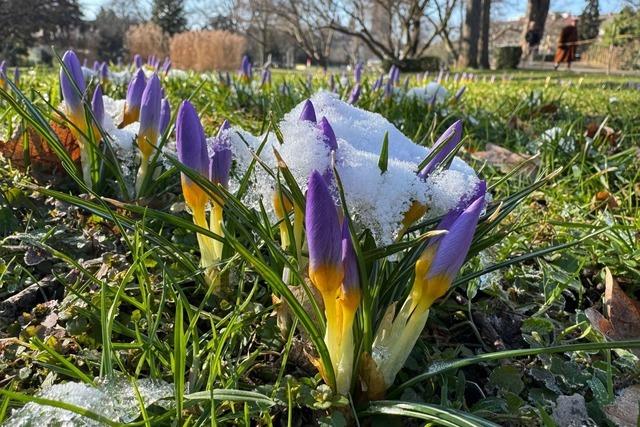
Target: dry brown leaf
(41, 158)
(608, 133)
(604, 199)
(623, 411)
(621, 319)
(504, 159)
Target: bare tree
(309, 23)
(471, 33)
(395, 30)
(485, 34)
(537, 11)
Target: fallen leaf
(624, 410)
(40, 157)
(604, 199)
(607, 133)
(505, 159)
(621, 319)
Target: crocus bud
(445, 144)
(137, 61)
(150, 116)
(134, 98)
(73, 86)
(323, 236)
(357, 72)
(97, 105)
(104, 72)
(266, 77)
(308, 112)
(16, 76)
(355, 94)
(165, 115)
(220, 163)
(327, 133)
(192, 152)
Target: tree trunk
(484, 37)
(469, 57)
(537, 11)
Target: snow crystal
(113, 399)
(377, 201)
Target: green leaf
(384, 154)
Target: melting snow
(114, 399)
(378, 201)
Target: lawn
(108, 304)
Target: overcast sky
(511, 9)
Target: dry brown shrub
(207, 50)
(147, 39)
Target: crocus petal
(135, 89)
(355, 94)
(97, 105)
(220, 163)
(351, 279)
(72, 85)
(137, 61)
(450, 138)
(478, 191)
(150, 107)
(190, 139)
(104, 71)
(165, 115)
(323, 236)
(459, 93)
(453, 247)
(224, 127)
(308, 112)
(328, 134)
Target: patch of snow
(113, 399)
(378, 201)
(433, 92)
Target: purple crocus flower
(165, 115)
(166, 65)
(308, 112)
(377, 84)
(97, 105)
(73, 86)
(459, 93)
(150, 107)
(266, 77)
(479, 191)
(96, 66)
(450, 138)
(246, 68)
(134, 97)
(357, 72)
(328, 134)
(323, 236)
(16, 76)
(220, 162)
(104, 72)
(452, 248)
(190, 140)
(191, 146)
(137, 61)
(355, 94)
(388, 88)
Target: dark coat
(566, 51)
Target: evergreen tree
(589, 24)
(169, 15)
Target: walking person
(532, 42)
(566, 51)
